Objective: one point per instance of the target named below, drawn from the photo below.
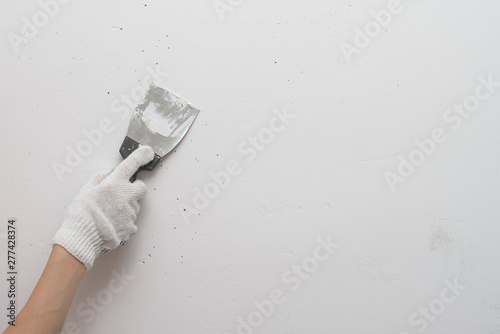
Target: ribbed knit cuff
(80, 238)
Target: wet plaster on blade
(161, 120)
(164, 126)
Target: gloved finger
(138, 158)
(139, 190)
(125, 242)
(135, 206)
(98, 178)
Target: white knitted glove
(102, 215)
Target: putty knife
(161, 120)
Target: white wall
(322, 175)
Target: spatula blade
(161, 120)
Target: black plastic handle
(128, 146)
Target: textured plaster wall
(420, 257)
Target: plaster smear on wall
(440, 238)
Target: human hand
(103, 213)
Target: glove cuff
(79, 236)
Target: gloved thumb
(131, 164)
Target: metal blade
(161, 120)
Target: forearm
(109, 202)
(51, 299)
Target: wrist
(80, 237)
(66, 259)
